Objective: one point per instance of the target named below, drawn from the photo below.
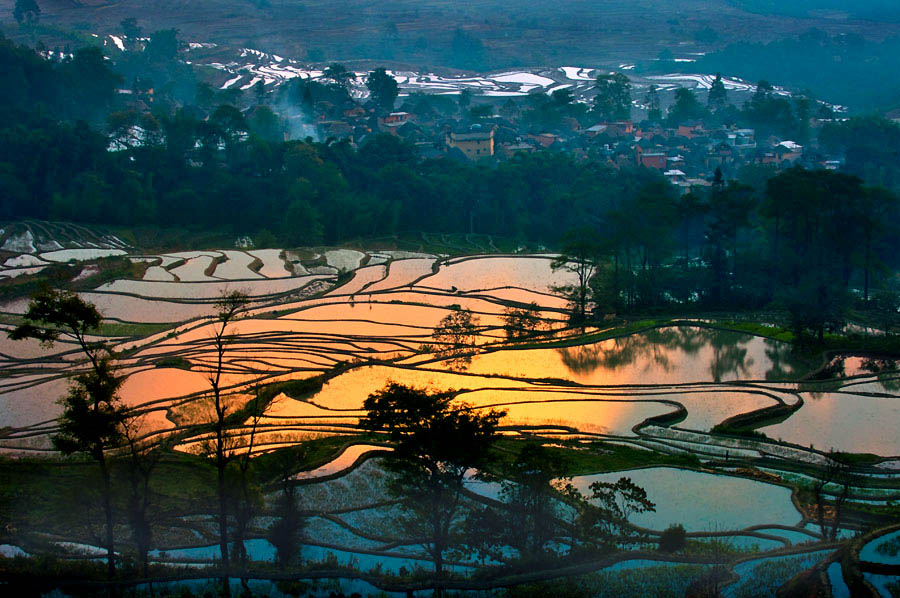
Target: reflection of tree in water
(655, 346)
(786, 365)
(886, 373)
(816, 389)
(729, 356)
(890, 382)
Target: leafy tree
(654, 112)
(339, 74)
(383, 88)
(509, 110)
(163, 45)
(130, 28)
(457, 336)
(878, 222)
(604, 520)
(673, 538)
(285, 532)
(562, 97)
(718, 96)
(259, 92)
(91, 422)
(580, 256)
(481, 111)
(227, 309)
(302, 222)
(686, 107)
(522, 322)
(613, 99)
(869, 146)
(266, 124)
(91, 83)
(531, 495)
(728, 212)
(770, 113)
(815, 223)
(231, 121)
(467, 51)
(465, 98)
(436, 441)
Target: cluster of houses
(687, 155)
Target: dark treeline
(813, 242)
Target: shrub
(673, 538)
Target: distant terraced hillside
(422, 32)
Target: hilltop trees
(383, 88)
(339, 74)
(613, 99)
(686, 107)
(718, 96)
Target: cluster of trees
(811, 241)
(766, 112)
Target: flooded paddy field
(656, 403)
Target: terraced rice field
(662, 389)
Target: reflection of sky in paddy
(845, 422)
(494, 272)
(703, 501)
(302, 338)
(32, 405)
(668, 356)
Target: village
(487, 129)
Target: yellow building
(474, 144)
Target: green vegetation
(174, 362)
(594, 457)
(732, 430)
